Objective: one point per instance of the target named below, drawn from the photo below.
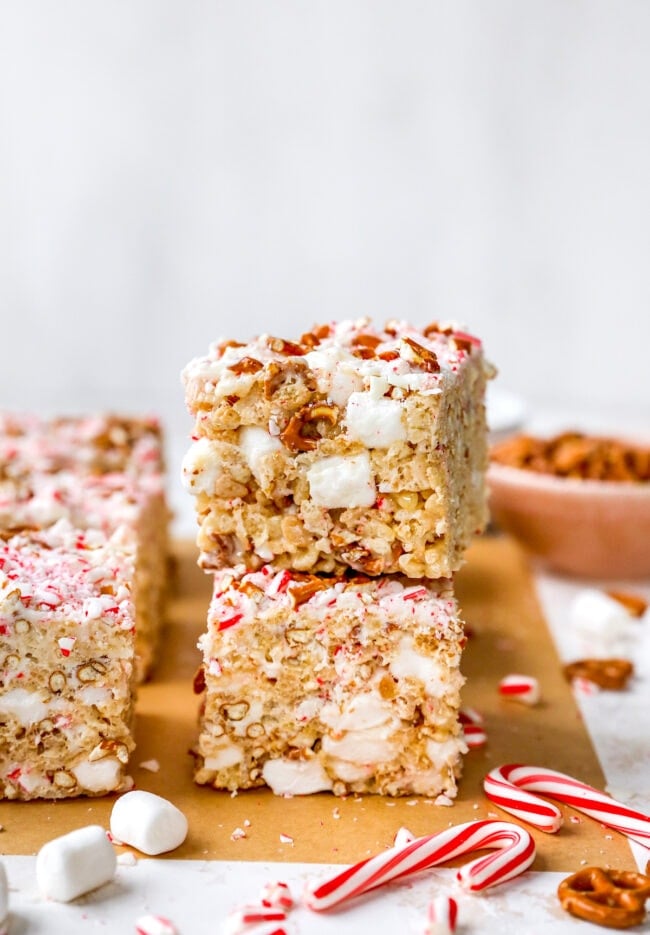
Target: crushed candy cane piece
(238, 834)
(155, 925)
(277, 893)
(285, 839)
(442, 914)
(523, 688)
(240, 920)
(473, 729)
(403, 836)
(66, 644)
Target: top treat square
(352, 447)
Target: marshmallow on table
(605, 622)
(148, 822)
(75, 863)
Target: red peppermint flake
(66, 644)
(229, 621)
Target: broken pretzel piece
(612, 674)
(635, 605)
(295, 436)
(612, 898)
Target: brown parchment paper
(508, 634)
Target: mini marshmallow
(4, 900)
(75, 863)
(605, 623)
(155, 925)
(148, 822)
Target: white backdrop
(174, 171)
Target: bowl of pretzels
(577, 503)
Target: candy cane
(515, 852)
(510, 787)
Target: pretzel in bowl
(612, 898)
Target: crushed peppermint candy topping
(240, 596)
(47, 574)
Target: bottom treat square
(67, 653)
(313, 683)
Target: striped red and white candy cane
(514, 853)
(511, 787)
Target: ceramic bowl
(585, 528)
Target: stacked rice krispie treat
(82, 573)
(338, 481)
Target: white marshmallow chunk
(148, 822)
(256, 444)
(296, 777)
(377, 423)
(201, 467)
(75, 863)
(342, 482)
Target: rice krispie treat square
(315, 683)
(67, 646)
(98, 444)
(353, 447)
(101, 473)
